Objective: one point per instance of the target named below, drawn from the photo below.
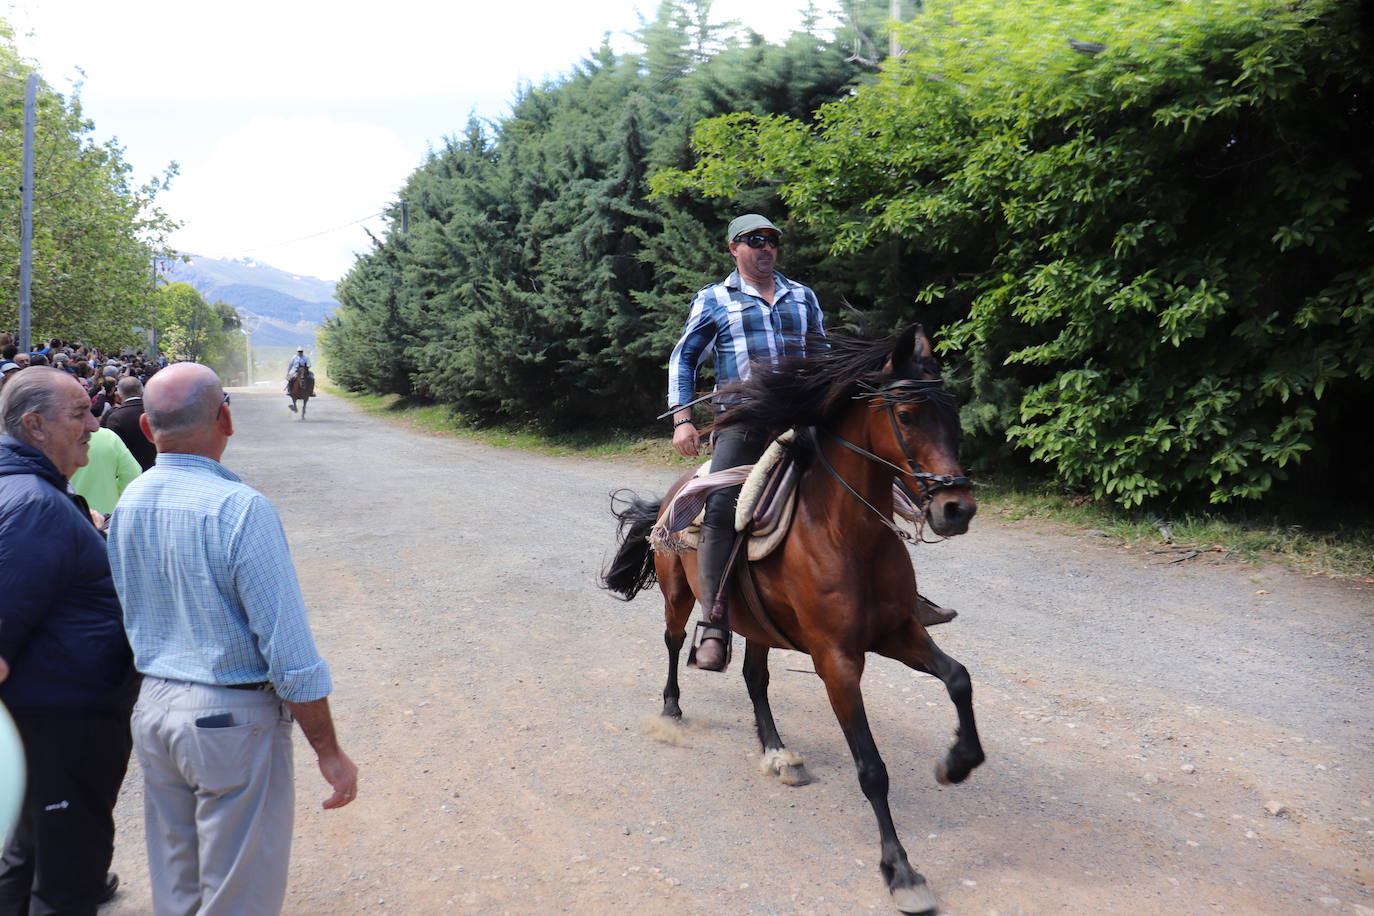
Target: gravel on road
(1161, 737)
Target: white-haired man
(67, 673)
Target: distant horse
(841, 584)
(301, 388)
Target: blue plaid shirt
(201, 565)
(733, 322)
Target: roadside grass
(1303, 540)
(438, 418)
(1307, 543)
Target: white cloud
(284, 190)
(177, 78)
(315, 49)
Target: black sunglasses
(758, 241)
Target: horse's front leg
(915, 649)
(777, 759)
(841, 674)
(967, 751)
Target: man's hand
(685, 440)
(314, 719)
(340, 773)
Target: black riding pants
(732, 446)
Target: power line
(313, 235)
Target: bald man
(219, 631)
(66, 673)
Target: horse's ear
(912, 343)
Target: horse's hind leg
(777, 759)
(678, 601)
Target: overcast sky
(295, 121)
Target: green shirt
(109, 468)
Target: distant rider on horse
(297, 361)
(755, 314)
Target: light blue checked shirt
(733, 322)
(201, 565)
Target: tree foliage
(1147, 224)
(537, 281)
(198, 331)
(95, 231)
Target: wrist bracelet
(680, 422)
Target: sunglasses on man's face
(758, 241)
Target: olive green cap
(748, 223)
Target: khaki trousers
(218, 797)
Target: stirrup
(704, 629)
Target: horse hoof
(942, 773)
(785, 765)
(944, 777)
(794, 776)
(918, 899)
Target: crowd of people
(148, 606)
(89, 365)
(119, 451)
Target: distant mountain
(280, 308)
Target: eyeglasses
(226, 397)
(758, 241)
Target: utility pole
(894, 12)
(405, 216)
(248, 355)
(26, 221)
(247, 325)
(152, 314)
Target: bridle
(901, 391)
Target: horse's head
(915, 425)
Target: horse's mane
(810, 390)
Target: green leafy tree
(198, 331)
(95, 232)
(1146, 226)
(538, 282)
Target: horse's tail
(632, 568)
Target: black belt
(260, 685)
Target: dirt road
(1161, 738)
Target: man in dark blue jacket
(68, 676)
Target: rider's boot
(930, 613)
(712, 653)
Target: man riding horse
(754, 314)
(299, 361)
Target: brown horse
(301, 388)
(841, 585)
